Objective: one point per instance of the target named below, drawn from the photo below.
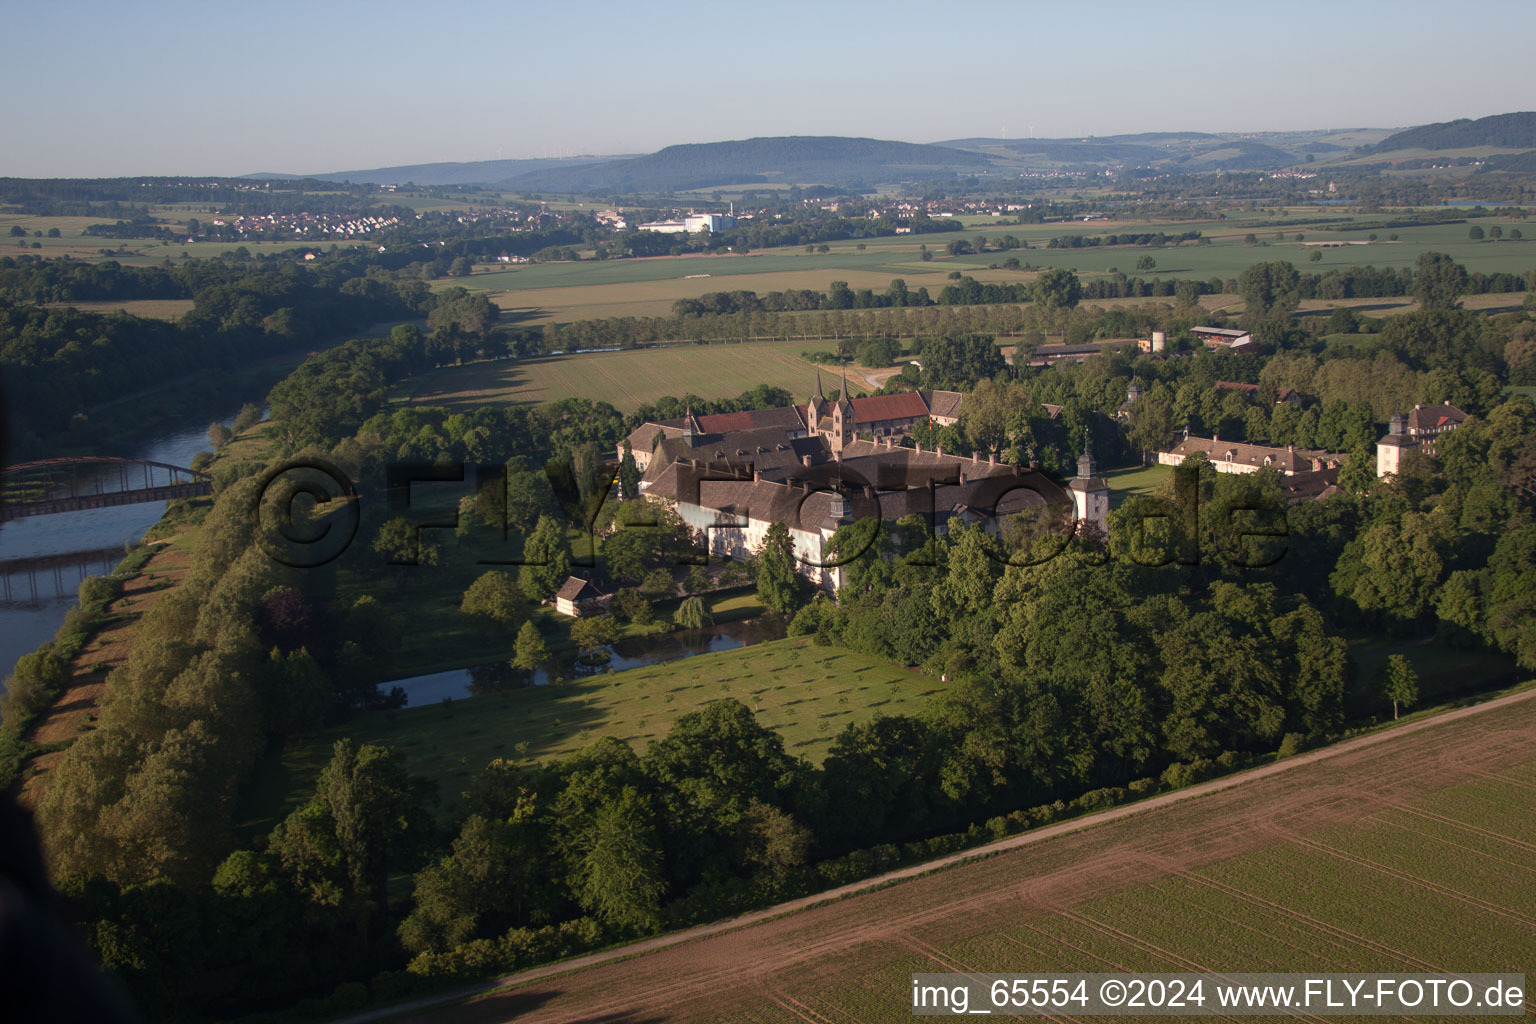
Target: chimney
(1215, 437)
(975, 456)
(1317, 464)
(919, 447)
(1016, 470)
(1290, 448)
(757, 476)
(838, 455)
(805, 460)
(991, 458)
(940, 451)
(869, 492)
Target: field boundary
(627, 951)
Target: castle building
(1416, 432)
(732, 486)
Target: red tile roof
(905, 406)
(723, 422)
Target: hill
(474, 172)
(1169, 151)
(822, 160)
(1506, 131)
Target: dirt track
(88, 672)
(747, 969)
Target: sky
(97, 89)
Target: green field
(806, 693)
(647, 287)
(629, 379)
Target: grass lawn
(1134, 480)
(806, 693)
(632, 378)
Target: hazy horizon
(201, 90)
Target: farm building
(1045, 355)
(576, 597)
(1223, 338)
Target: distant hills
(823, 160)
(476, 172)
(1505, 131)
(861, 163)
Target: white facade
(733, 536)
(691, 223)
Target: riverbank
(74, 711)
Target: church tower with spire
(843, 419)
(815, 409)
(1090, 494)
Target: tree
(548, 560)
(219, 435)
(629, 474)
(529, 652)
(1146, 263)
(697, 581)
(400, 541)
(1399, 683)
(248, 416)
(593, 632)
(1438, 281)
(616, 876)
(1057, 289)
(1475, 233)
(692, 613)
(633, 606)
(1151, 422)
(495, 596)
(1316, 256)
(779, 582)
(1272, 291)
(367, 817)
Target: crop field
(154, 309)
(1413, 853)
(632, 378)
(806, 693)
(647, 287)
(655, 298)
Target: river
(44, 558)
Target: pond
(634, 652)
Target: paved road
(1011, 843)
